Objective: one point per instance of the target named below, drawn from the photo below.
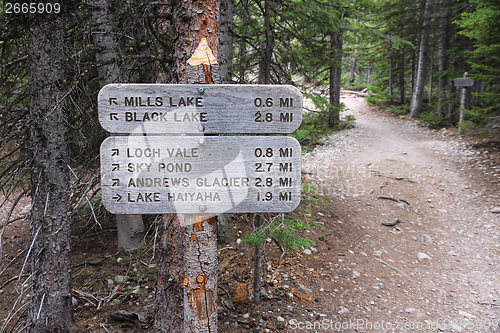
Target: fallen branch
(359, 93)
(225, 262)
(406, 202)
(109, 298)
(133, 318)
(86, 297)
(393, 199)
(12, 261)
(392, 223)
(85, 263)
(9, 281)
(490, 304)
(405, 179)
(388, 198)
(378, 173)
(282, 251)
(390, 266)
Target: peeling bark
(192, 21)
(188, 255)
(200, 282)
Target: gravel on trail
(437, 268)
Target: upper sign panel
(200, 108)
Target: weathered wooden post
(200, 280)
(463, 82)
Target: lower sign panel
(200, 175)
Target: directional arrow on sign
(115, 152)
(113, 116)
(112, 101)
(116, 182)
(117, 197)
(115, 167)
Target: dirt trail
(437, 269)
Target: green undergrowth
(284, 228)
(478, 121)
(399, 110)
(314, 129)
(433, 120)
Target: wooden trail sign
(463, 82)
(200, 175)
(200, 108)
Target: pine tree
(50, 307)
(483, 27)
(418, 92)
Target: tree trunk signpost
(166, 164)
(463, 82)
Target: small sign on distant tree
(463, 82)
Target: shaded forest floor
(435, 269)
